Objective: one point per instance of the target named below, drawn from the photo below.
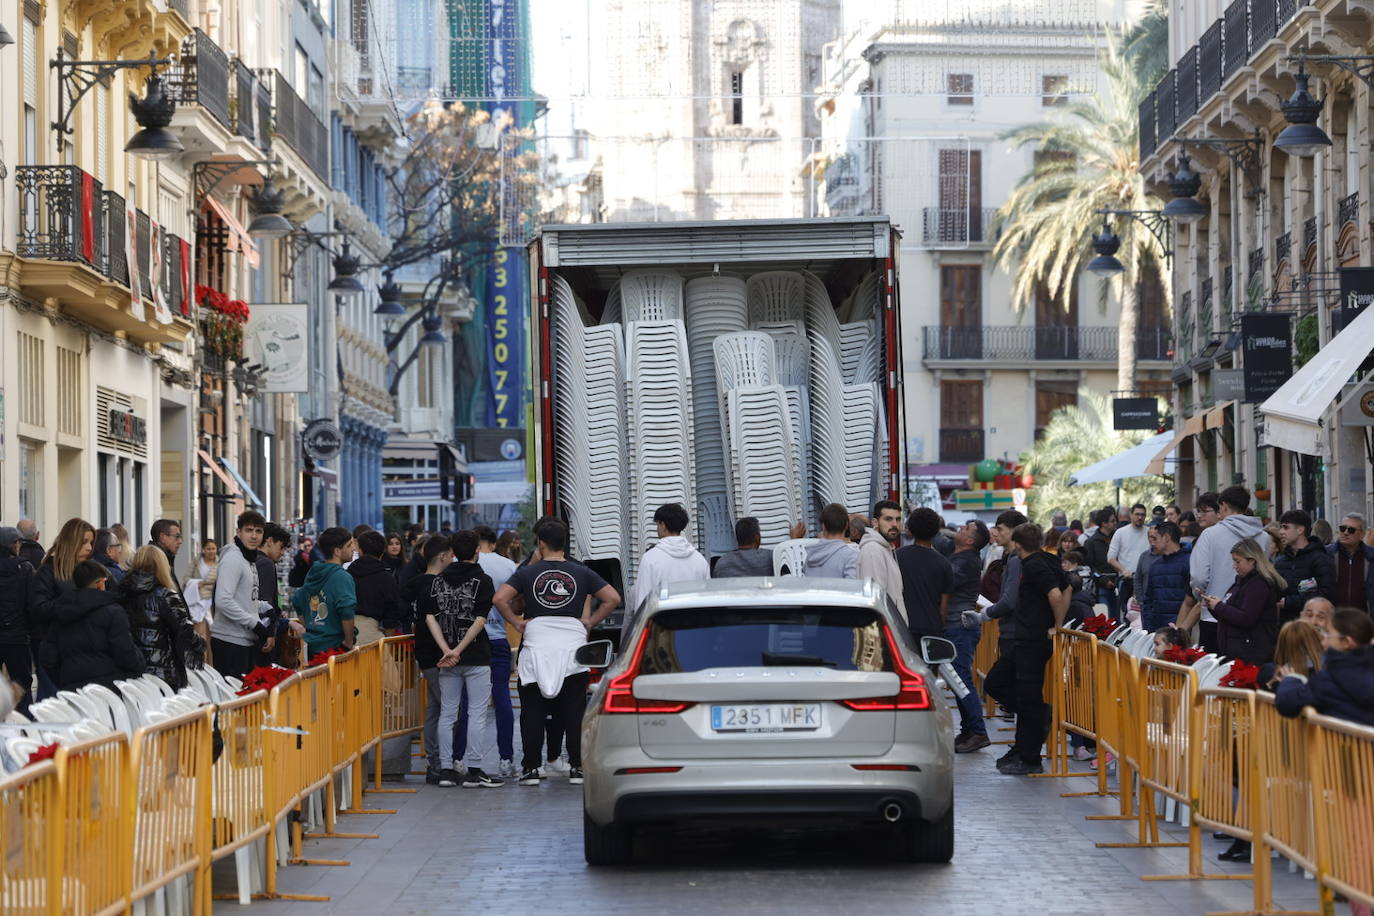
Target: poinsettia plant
(224, 320)
(1242, 675)
(264, 677)
(1181, 655)
(322, 658)
(46, 752)
(1100, 625)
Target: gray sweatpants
(446, 686)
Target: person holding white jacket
(672, 559)
(238, 623)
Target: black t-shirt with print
(555, 588)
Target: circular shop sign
(510, 449)
(322, 439)
(1367, 403)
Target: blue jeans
(970, 707)
(500, 701)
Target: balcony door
(1049, 397)
(961, 421)
(961, 312)
(1056, 327)
(961, 195)
(1152, 322)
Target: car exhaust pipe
(892, 812)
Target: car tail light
(646, 771)
(913, 693)
(620, 697)
(886, 767)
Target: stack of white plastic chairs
(844, 414)
(589, 450)
(715, 305)
(763, 457)
(658, 397)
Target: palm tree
(1147, 43)
(1075, 438)
(1087, 160)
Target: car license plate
(766, 717)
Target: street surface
(1020, 848)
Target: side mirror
(938, 651)
(596, 654)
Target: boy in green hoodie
(327, 600)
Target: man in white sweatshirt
(1210, 565)
(672, 559)
(877, 559)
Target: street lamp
(346, 267)
(1106, 244)
(6, 39)
(153, 113)
(434, 335)
(268, 203)
(1183, 187)
(1302, 136)
(391, 304)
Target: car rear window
(843, 639)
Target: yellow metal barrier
(402, 696)
(1343, 768)
(97, 813)
(984, 657)
(239, 800)
(1069, 685)
(1224, 728)
(1167, 692)
(31, 828)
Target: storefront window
(30, 479)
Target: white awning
(1130, 463)
(1292, 415)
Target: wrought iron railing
(244, 102)
(1264, 22)
(116, 231)
(1021, 343)
(60, 215)
(961, 445)
(1185, 91)
(1349, 208)
(1283, 249)
(1255, 263)
(1309, 233)
(1209, 62)
(1204, 306)
(1148, 139)
(171, 273)
(963, 226)
(294, 122)
(1186, 328)
(1166, 95)
(1236, 40)
(144, 254)
(202, 77)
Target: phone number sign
(505, 338)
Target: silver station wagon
(769, 700)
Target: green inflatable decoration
(986, 470)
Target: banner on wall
(278, 339)
(131, 255)
(1267, 345)
(160, 309)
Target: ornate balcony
(199, 83)
(250, 106)
(1348, 211)
(1019, 344)
(71, 248)
(957, 228)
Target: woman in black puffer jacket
(158, 618)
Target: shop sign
(277, 338)
(1267, 348)
(1357, 409)
(419, 491)
(1135, 413)
(1357, 292)
(127, 428)
(1228, 384)
(322, 440)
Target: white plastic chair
(651, 295)
(792, 555)
(775, 295)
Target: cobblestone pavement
(1020, 848)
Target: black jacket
(395, 564)
(1343, 688)
(1312, 565)
(33, 552)
(378, 594)
(1095, 553)
(268, 585)
(299, 568)
(44, 591)
(90, 641)
(16, 574)
(161, 628)
(414, 567)
(411, 593)
(1248, 620)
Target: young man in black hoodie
(91, 642)
(379, 597)
(1304, 564)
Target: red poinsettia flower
(1181, 656)
(46, 752)
(1242, 675)
(1099, 625)
(322, 658)
(264, 677)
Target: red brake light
(912, 694)
(620, 697)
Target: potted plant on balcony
(223, 322)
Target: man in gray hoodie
(1210, 568)
(835, 557)
(240, 616)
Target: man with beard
(877, 559)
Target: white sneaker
(1082, 753)
(462, 768)
(507, 768)
(557, 767)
